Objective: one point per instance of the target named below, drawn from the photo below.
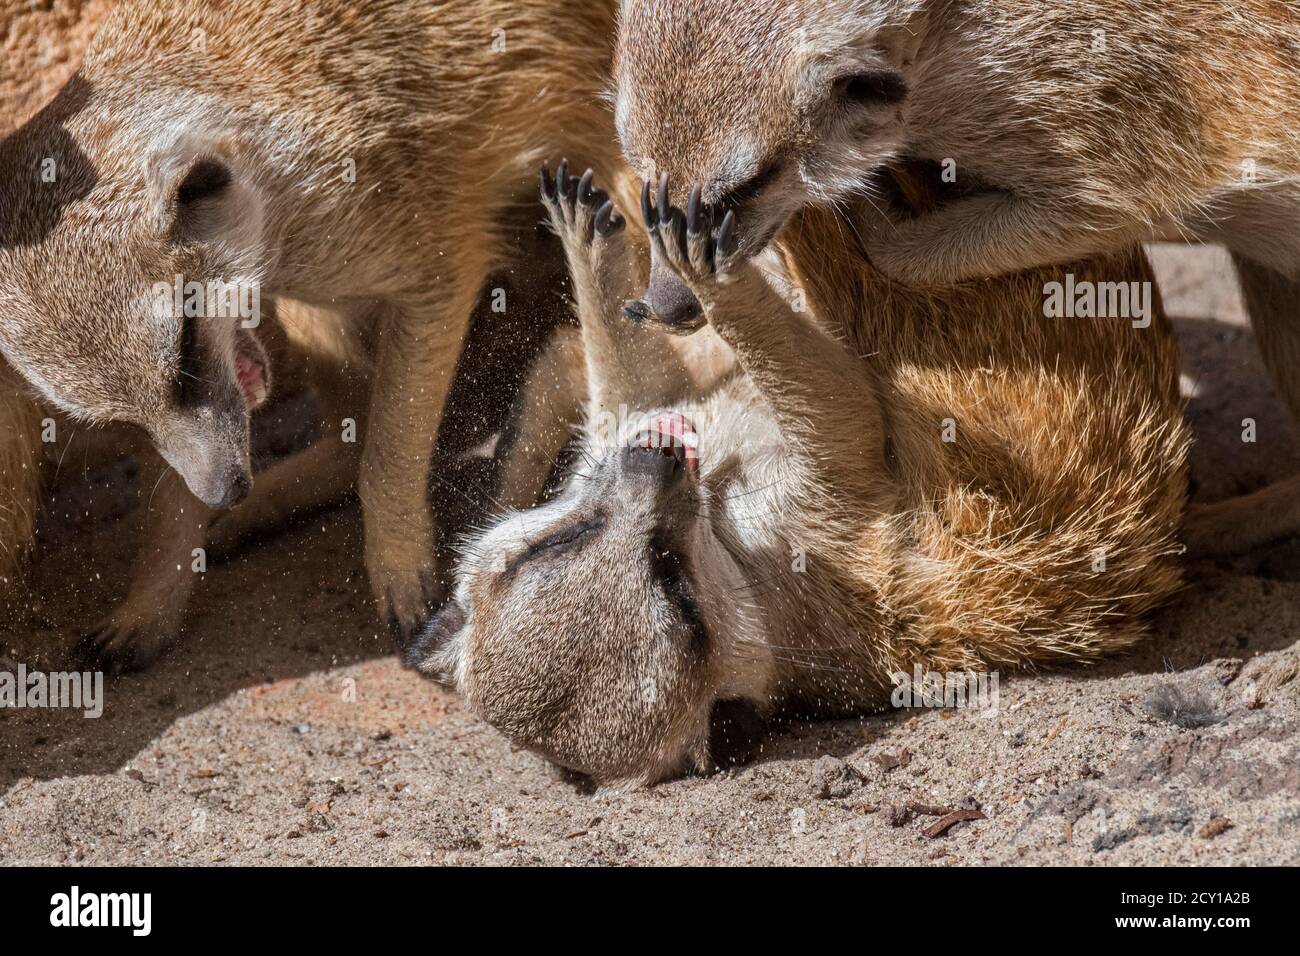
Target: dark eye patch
(563, 540)
(742, 193)
(189, 373)
(673, 577)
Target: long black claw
(693, 223)
(677, 232)
(584, 187)
(647, 210)
(727, 234)
(562, 179)
(665, 209)
(548, 187)
(92, 653)
(608, 221)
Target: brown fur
(20, 477)
(444, 132)
(39, 49)
(1073, 129)
(1098, 120)
(825, 442)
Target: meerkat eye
(204, 180)
(562, 541)
(875, 89)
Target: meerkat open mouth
(252, 368)
(674, 434)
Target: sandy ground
(283, 730)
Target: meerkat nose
(671, 302)
(241, 483)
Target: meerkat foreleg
(628, 363)
(987, 234)
(821, 394)
(420, 343)
(169, 564)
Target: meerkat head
(602, 629)
(768, 105)
(129, 267)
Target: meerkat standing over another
(1093, 123)
(802, 529)
(353, 156)
(1089, 125)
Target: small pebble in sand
(833, 778)
(898, 816)
(1214, 828)
(889, 762)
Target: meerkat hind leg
(312, 480)
(1273, 512)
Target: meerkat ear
(900, 37)
(202, 194)
(205, 180)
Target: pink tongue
(676, 434)
(252, 381)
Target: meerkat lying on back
(802, 529)
(358, 157)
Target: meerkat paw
(407, 599)
(129, 640)
(404, 580)
(582, 215)
(703, 252)
(960, 240)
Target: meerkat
(1087, 126)
(886, 479)
(358, 158)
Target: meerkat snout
(145, 314)
(628, 681)
(815, 121)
